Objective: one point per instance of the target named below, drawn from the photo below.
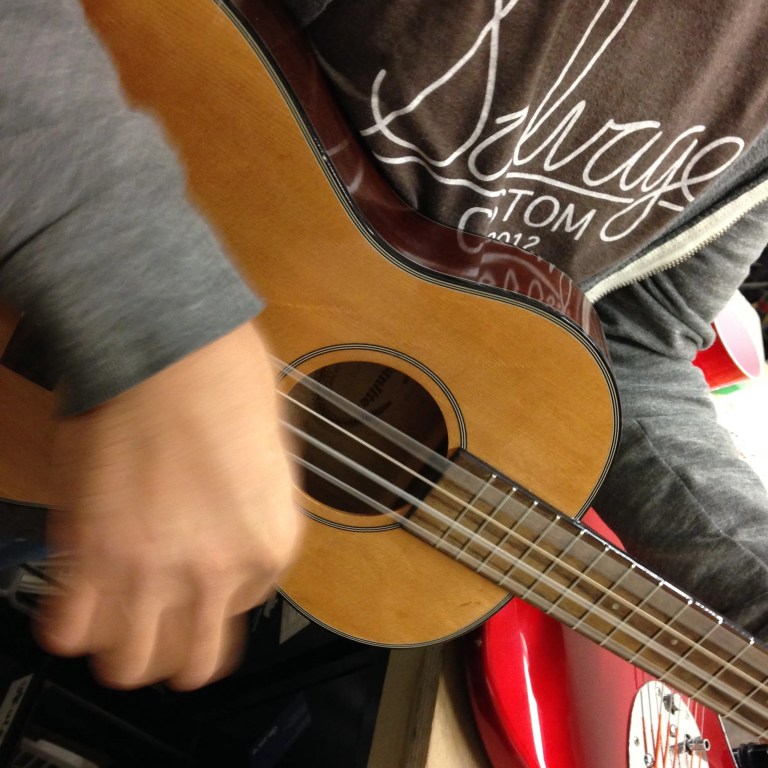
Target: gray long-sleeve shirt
(99, 246)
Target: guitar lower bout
(374, 429)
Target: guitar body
(354, 295)
(546, 697)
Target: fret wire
(633, 611)
(738, 702)
(662, 627)
(532, 544)
(431, 458)
(408, 524)
(659, 586)
(606, 549)
(730, 666)
(660, 649)
(581, 576)
(469, 506)
(491, 516)
(501, 578)
(563, 615)
(662, 673)
(609, 635)
(746, 648)
(659, 671)
(510, 532)
(726, 703)
(732, 663)
(554, 564)
(699, 642)
(718, 703)
(384, 426)
(754, 708)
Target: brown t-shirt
(579, 131)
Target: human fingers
(215, 650)
(173, 632)
(184, 648)
(64, 620)
(128, 658)
(216, 626)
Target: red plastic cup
(737, 353)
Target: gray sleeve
(99, 246)
(679, 495)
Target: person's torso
(579, 131)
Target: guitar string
(439, 462)
(662, 674)
(483, 564)
(651, 709)
(443, 464)
(399, 438)
(351, 409)
(441, 542)
(652, 719)
(749, 721)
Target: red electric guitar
(545, 696)
(450, 395)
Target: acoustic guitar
(450, 399)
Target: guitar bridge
(663, 733)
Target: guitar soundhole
(338, 440)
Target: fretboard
(553, 562)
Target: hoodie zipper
(678, 249)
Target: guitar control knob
(696, 745)
(672, 702)
(661, 719)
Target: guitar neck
(551, 561)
